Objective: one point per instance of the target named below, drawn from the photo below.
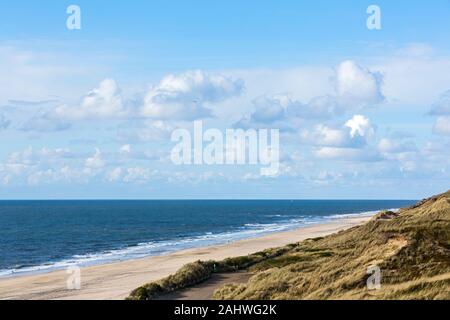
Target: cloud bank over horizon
(361, 114)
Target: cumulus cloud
(282, 111)
(360, 126)
(185, 96)
(96, 161)
(106, 101)
(177, 97)
(270, 109)
(357, 86)
(351, 142)
(355, 133)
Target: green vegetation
(197, 272)
(188, 275)
(411, 247)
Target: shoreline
(114, 281)
(153, 249)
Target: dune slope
(411, 248)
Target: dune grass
(411, 247)
(199, 271)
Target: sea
(41, 236)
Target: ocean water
(40, 236)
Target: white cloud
(125, 149)
(357, 86)
(103, 102)
(138, 175)
(348, 154)
(360, 126)
(323, 135)
(270, 109)
(426, 78)
(39, 166)
(326, 177)
(148, 130)
(44, 122)
(39, 177)
(336, 153)
(321, 107)
(441, 108)
(114, 174)
(356, 133)
(96, 161)
(184, 96)
(442, 126)
(389, 146)
(30, 157)
(282, 111)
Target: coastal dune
(115, 281)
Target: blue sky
(89, 113)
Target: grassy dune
(411, 247)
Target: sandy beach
(115, 281)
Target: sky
(89, 113)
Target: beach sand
(115, 281)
